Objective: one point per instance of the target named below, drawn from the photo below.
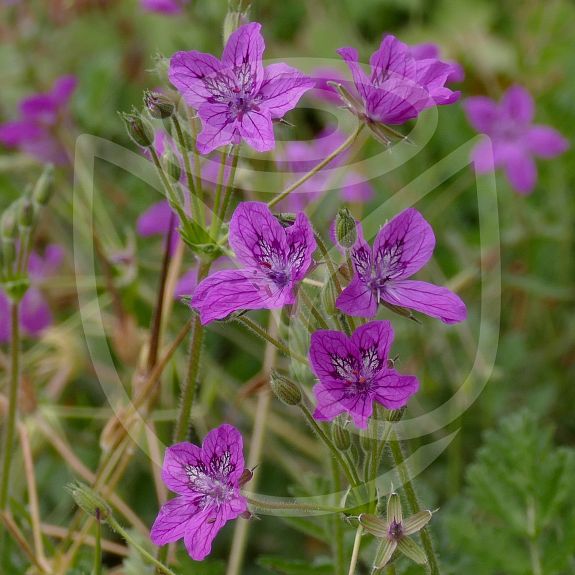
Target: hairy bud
(159, 105)
(139, 129)
(172, 164)
(44, 186)
(26, 213)
(285, 389)
(345, 229)
(341, 436)
(89, 501)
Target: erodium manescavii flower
(513, 138)
(275, 259)
(167, 7)
(207, 480)
(353, 372)
(401, 248)
(40, 116)
(236, 97)
(430, 50)
(35, 314)
(399, 86)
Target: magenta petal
(15, 133)
(172, 521)
(329, 400)
(282, 88)
(167, 7)
(196, 75)
(483, 113)
(355, 188)
(35, 314)
(201, 531)
(187, 283)
(176, 459)
(403, 246)
(521, 171)
(517, 104)
(374, 340)
(483, 156)
(222, 453)
(157, 219)
(426, 298)
(546, 142)
(63, 88)
(392, 58)
(224, 292)
(301, 245)
(40, 267)
(217, 128)
(357, 299)
(243, 54)
(395, 390)
(255, 234)
(332, 355)
(360, 78)
(256, 128)
(432, 75)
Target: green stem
(214, 226)
(169, 189)
(262, 332)
(338, 542)
(229, 188)
(123, 533)
(291, 506)
(317, 168)
(314, 311)
(98, 546)
(198, 213)
(349, 471)
(355, 552)
(411, 495)
(12, 404)
(197, 164)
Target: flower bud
(159, 105)
(234, 19)
(89, 501)
(172, 164)
(26, 213)
(345, 229)
(341, 436)
(44, 186)
(328, 298)
(285, 389)
(9, 224)
(395, 414)
(139, 129)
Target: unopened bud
(345, 229)
(139, 129)
(159, 105)
(234, 19)
(89, 501)
(26, 214)
(9, 224)
(172, 164)
(285, 389)
(44, 186)
(328, 298)
(341, 437)
(395, 414)
(366, 441)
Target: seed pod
(341, 436)
(345, 229)
(159, 105)
(139, 129)
(172, 164)
(285, 389)
(89, 501)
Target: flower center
(395, 530)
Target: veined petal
(432, 75)
(384, 553)
(403, 246)
(256, 128)
(222, 453)
(360, 79)
(218, 128)
(197, 76)
(391, 59)
(333, 355)
(482, 113)
(357, 299)
(394, 511)
(374, 525)
(373, 341)
(394, 390)
(416, 522)
(202, 530)
(335, 396)
(227, 291)
(426, 298)
(546, 142)
(301, 245)
(282, 88)
(172, 520)
(412, 550)
(243, 55)
(178, 460)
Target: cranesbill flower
(40, 117)
(429, 50)
(35, 314)
(401, 248)
(168, 7)
(513, 138)
(236, 97)
(275, 259)
(353, 372)
(399, 86)
(207, 480)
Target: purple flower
(401, 248)
(40, 116)
(353, 372)
(35, 314)
(513, 138)
(158, 219)
(168, 7)
(399, 86)
(188, 282)
(275, 259)
(236, 97)
(323, 90)
(301, 157)
(207, 481)
(429, 50)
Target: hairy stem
(337, 526)
(399, 458)
(355, 552)
(229, 188)
(214, 226)
(317, 168)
